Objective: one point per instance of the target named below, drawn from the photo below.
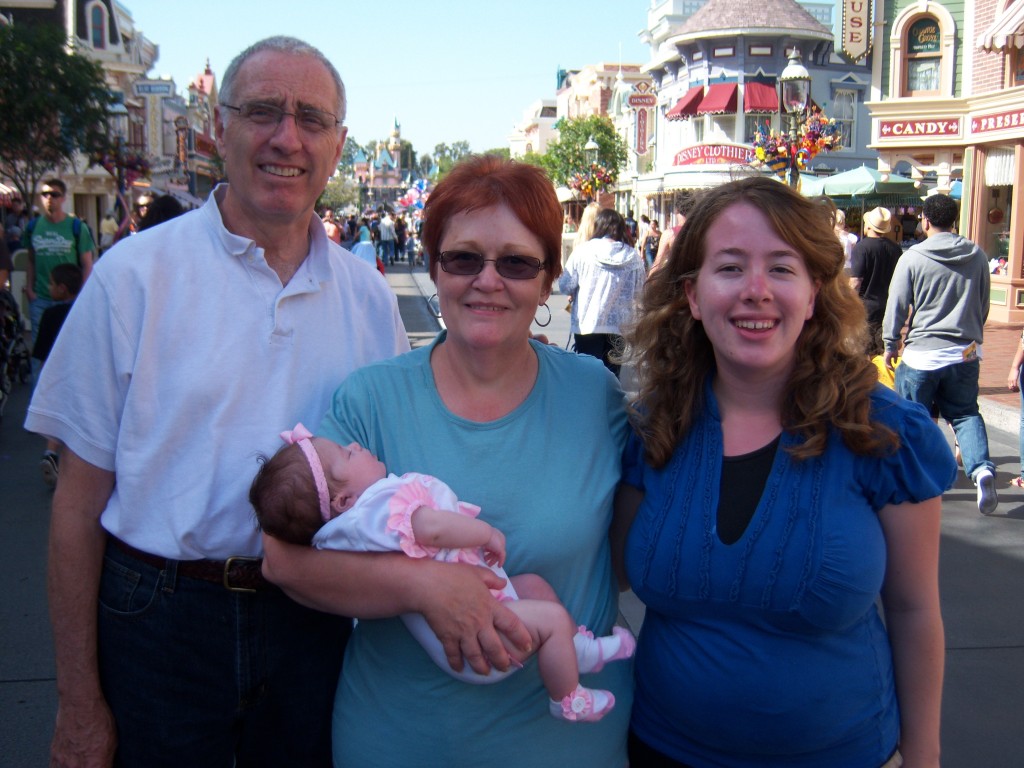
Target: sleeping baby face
(350, 466)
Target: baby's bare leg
(552, 631)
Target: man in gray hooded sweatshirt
(944, 282)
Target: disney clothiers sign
(702, 154)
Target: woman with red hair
(490, 410)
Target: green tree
(503, 152)
(566, 156)
(53, 104)
(340, 192)
(348, 155)
(426, 163)
(446, 156)
(407, 155)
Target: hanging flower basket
(818, 133)
(135, 164)
(591, 182)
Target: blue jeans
(387, 250)
(954, 391)
(201, 676)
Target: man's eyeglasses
(51, 193)
(468, 263)
(307, 119)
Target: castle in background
(381, 178)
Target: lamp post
(590, 152)
(795, 82)
(117, 124)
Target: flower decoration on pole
(591, 181)
(810, 130)
(134, 165)
(594, 176)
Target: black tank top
(743, 481)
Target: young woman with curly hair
(772, 492)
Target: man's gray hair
(280, 44)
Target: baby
(341, 497)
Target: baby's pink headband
(301, 436)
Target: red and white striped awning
(686, 106)
(719, 100)
(1006, 32)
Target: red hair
(485, 181)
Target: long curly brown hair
(832, 378)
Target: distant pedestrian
(1013, 381)
(330, 227)
(65, 285)
(651, 243)
(632, 228)
(945, 281)
(108, 231)
(604, 276)
(681, 208)
(160, 209)
(388, 237)
(53, 238)
(871, 266)
(846, 238)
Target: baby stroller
(15, 357)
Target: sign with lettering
(703, 154)
(856, 29)
(153, 89)
(642, 97)
(923, 37)
(641, 132)
(997, 121)
(897, 129)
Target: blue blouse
(771, 651)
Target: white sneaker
(988, 499)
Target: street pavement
(981, 571)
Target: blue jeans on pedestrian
(198, 675)
(387, 251)
(954, 391)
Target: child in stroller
(15, 357)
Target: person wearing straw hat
(872, 263)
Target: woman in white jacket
(604, 275)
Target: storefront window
(923, 57)
(844, 110)
(98, 24)
(997, 198)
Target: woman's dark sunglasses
(469, 263)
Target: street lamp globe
(117, 121)
(590, 150)
(796, 89)
(796, 84)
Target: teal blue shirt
(545, 475)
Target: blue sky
(447, 69)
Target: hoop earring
(538, 322)
(431, 304)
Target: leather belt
(238, 573)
